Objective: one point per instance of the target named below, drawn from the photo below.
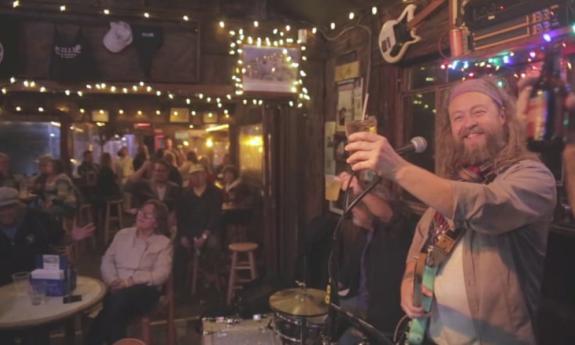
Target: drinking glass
(37, 293)
(369, 124)
(332, 187)
(21, 282)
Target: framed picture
(329, 148)
(270, 69)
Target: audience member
(169, 147)
(107, 183)
(7, 178)
(57, 193)
(199, 218)
(124, 165)
(88, 170)
(191, 159)
(157, 187)
(174, 174)
(141, 157)
(27, 232)
(237, 194)
(87, 173)
(135, 266)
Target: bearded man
(492, 200)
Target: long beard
(479, 154)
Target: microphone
(416, 145)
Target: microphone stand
(333, 263)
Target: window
(24, 142)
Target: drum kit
(299, 315)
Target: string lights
(285, 37)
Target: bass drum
(292, 329)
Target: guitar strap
(438, 247)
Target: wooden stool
(243, 265)
(166, 303)
(109, 219)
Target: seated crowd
(177, 209)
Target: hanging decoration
(515, 62)
(285, 37)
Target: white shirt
(145, 261)
(451, 322)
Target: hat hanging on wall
(118, 37)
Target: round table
(17, 311)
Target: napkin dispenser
(55, 273)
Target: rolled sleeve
(523, 194)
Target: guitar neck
(421, 15)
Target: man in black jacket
(199, 220)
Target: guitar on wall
(397, 35)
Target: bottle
(546, 112)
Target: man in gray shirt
(499, 194)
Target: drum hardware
(299, 315)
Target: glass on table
(37, 292)
(21, 282)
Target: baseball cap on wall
(118, 37)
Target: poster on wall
(329, 158)
(334, 163)
(349, 102)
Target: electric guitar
(398, 34)
(424, 276)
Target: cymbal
(299, 302)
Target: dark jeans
(121, 307)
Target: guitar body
(418, 326)
(396, 36)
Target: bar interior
(287, 172)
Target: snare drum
(292, 329)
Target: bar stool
(239, 265)
(110, 219)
